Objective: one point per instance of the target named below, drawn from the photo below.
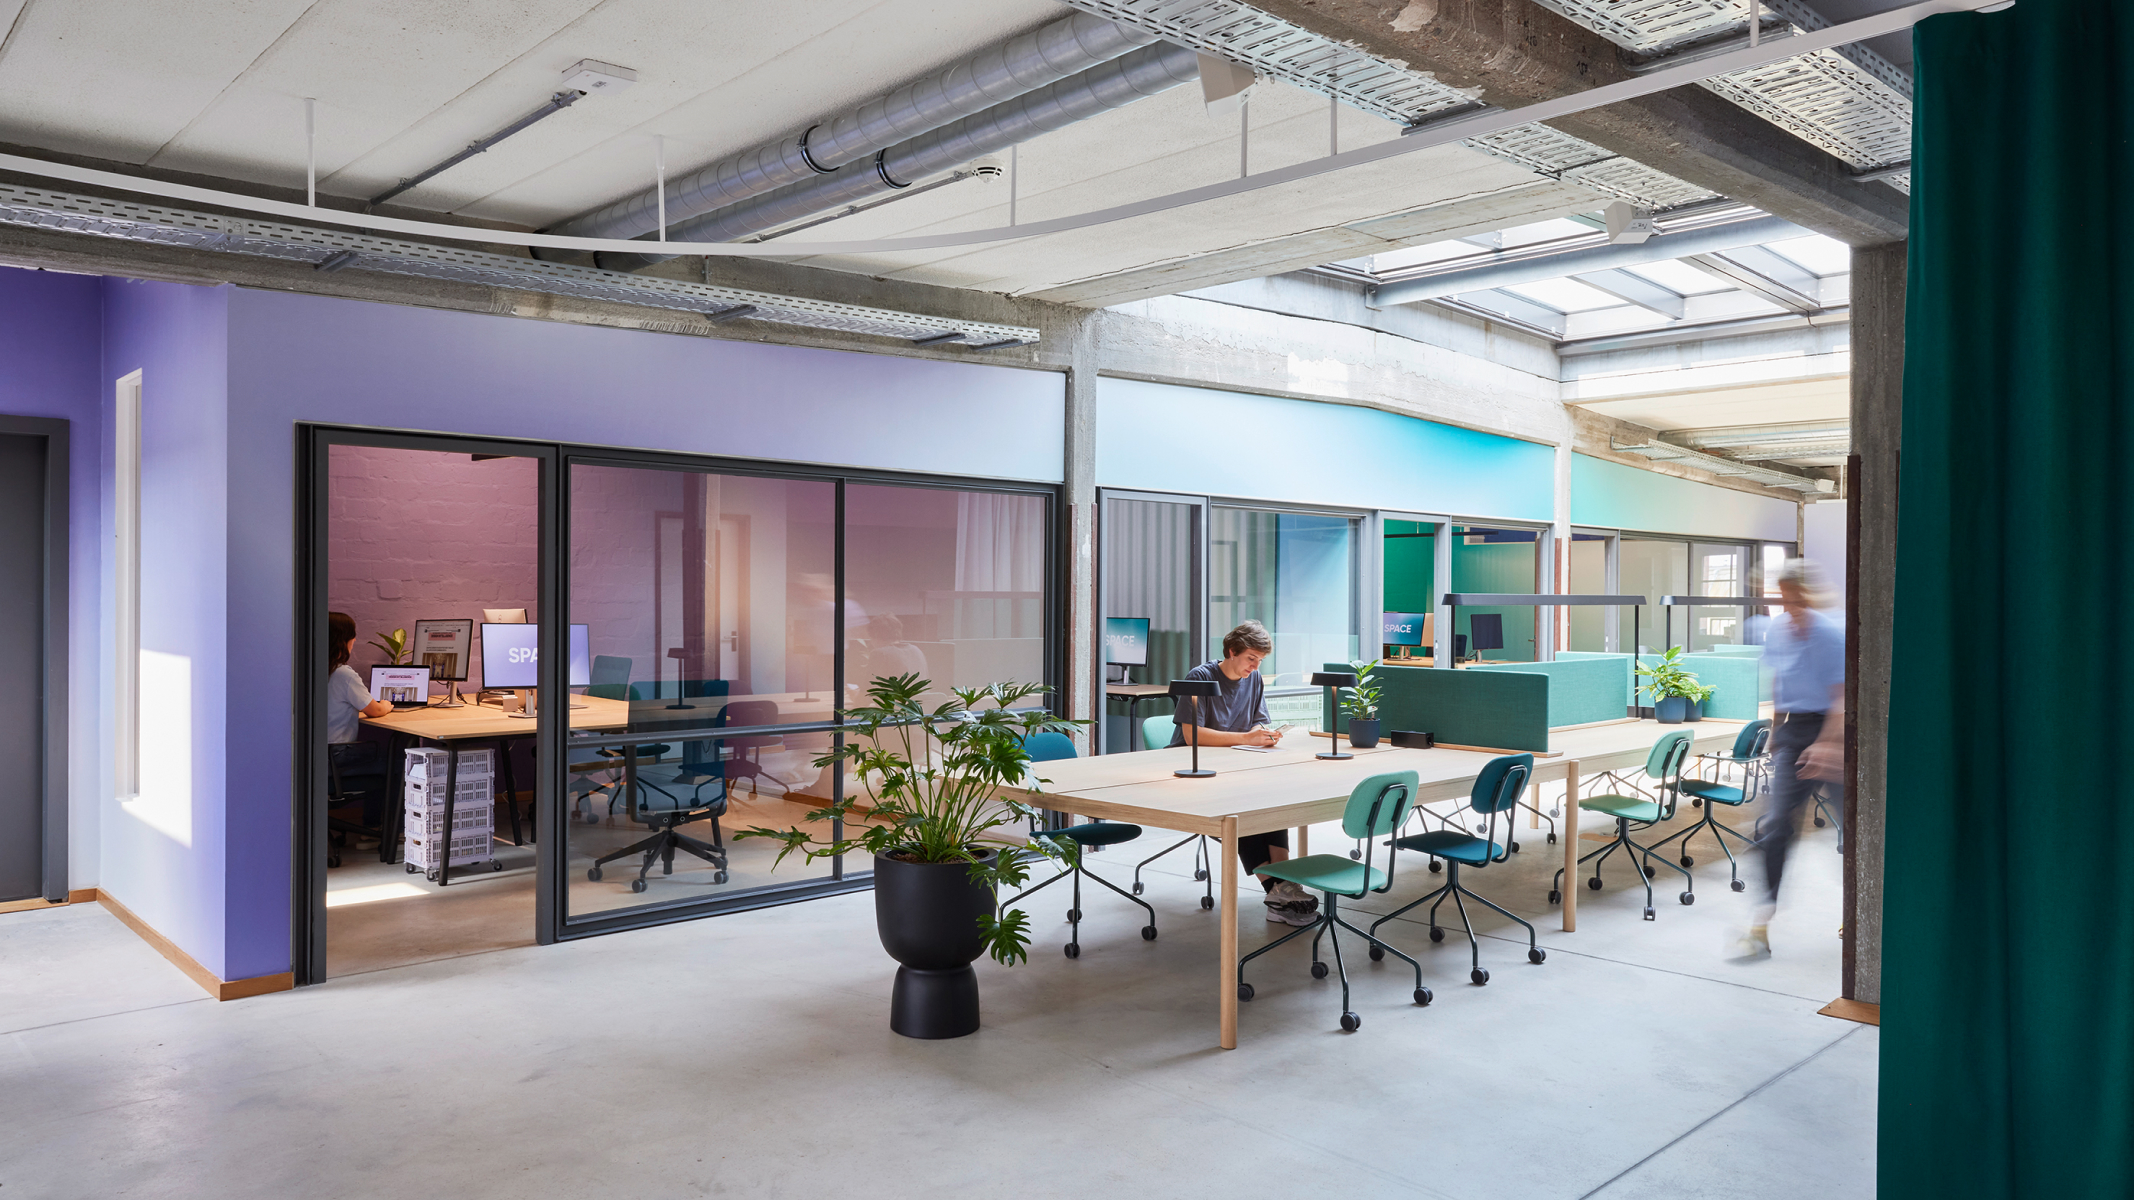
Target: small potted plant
(927, 812)
(394, 646)
(1704, 695)
(1671, 686)
(1360, 704)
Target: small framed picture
(445, 647)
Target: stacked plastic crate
(473, 809)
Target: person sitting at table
(347, 703)
(1237, 716)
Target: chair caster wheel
(1552, 839)
(1356, 855)
(1200, 876)
(1074, 916)
(1137, 887)
(413, 869)
(1687, 861)
(1738, 885)
(1537, 956)
(1422, 996)
(1244, 991)
(494, 865)
(637, 885)
(1436, 934)
(1378, 953)
(333, 860)
(718, 876)
(1594, 883)
(1148, 933)
(1819, 822)
(1841, 847)
(1651, 870)
(1318, 970)
(1207, 902)
(1350, 1022)
(1689, 897)
(1555, 897)
(1436, 866)
(1515, 847)
(1479, 976)
(1696, 804)
(1071, 950)
(1650, 914)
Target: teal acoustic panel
(1503, 710)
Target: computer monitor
(1126, 641)
(1486, 631)
(401, 687)
(443, 647)
(511, 656)
(1403, 629)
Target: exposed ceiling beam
(1665, 451)
(1637, 290)
(1721, 267)
(1514, 53)
(1538, 317)
(1515, 268)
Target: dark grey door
(22, 641)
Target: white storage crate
(468, 849)
(473, 793)
(469, 819)
(424, 765)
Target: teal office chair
(1496, 791)
(665, 813)
(1376, 808)
(1642, 810)
(1155, 735)
(1750, 752)
(1074, 840)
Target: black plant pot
(1363, 734)
(1670, 710)
(927, 915)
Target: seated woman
(347, 702)
(1237, 716)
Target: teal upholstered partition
(1739, 678)
(1504, 710)
(1594, 687)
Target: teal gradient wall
(1612, 496)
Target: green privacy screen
(1502, 710)
(2008, 957)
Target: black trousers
(1257, 850)
(1790, 793)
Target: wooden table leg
(1226, 961)
(1304, 841)
(1570, 846)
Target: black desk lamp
(1331, 680)
(1196, 688)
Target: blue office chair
(1496, 790)
(610, 681)
(1663, 772)
(1155, 735)
(1751, 753)
(664, 811)
(1073, 840)
(1376, 808)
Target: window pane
(1496, 560)
(1652, 569)
(1589, 577)
(1721, 571)
(1295, 573)
(1149, 548)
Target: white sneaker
(1291, 914)
(1285, 892)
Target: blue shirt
(1805, 667)
(1236, 706)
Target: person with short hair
(1237, 716)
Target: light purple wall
(178, 337)
(50, 341)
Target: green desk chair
(1750, 753)
(1663, 770)
(1496, 791)
(1073, 841)
(1155, 735)
(1376, 809)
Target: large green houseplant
(1673, 687)
(923, 801)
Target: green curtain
(2008, 948)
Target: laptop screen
(400, 685)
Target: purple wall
(50, 341)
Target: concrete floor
(748, 1055)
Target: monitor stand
(451, 699)
(1118, 673)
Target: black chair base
(1622, 840)
(1328, 926)
(1203, 871)
(1709, 820)
(1453, 889)
(661, 847)
(1073, 948)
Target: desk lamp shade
(1195, 689)
(1330, 680)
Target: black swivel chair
(747, 751)
(355, 772)
(1074, 841)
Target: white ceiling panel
(1823, 399)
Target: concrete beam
(1514, 52)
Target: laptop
(404, 687)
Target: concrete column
(1871, 578)
(1083, 690)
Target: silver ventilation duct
(333, 250)
(1013, 68)
(1116, 84)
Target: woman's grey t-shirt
(1236, 707)
(346, 698)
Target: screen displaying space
(1126, 640)
(1402, 629)
(511, 656)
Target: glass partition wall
(1151, 570)
(730, 616)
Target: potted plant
(1704, 695)
(1360, 703)
(394, 646)
(1671, 686)
(927, 786)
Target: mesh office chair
(665, 813)
(1073, 840)
(1751, 753)
(355, 771)
(1663, 770)
(1496, 790)
(1376, 808)
(610, 681)
(1155, 735)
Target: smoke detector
(596, 78)
(988, 168)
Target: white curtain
(1000, 542)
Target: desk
(1288, 787)
(473, 722)
(1134, 694)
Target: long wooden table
(1290, 788)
